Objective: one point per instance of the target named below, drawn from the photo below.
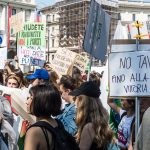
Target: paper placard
(81, 62)
(63, 60)
(129, 74)
(33, 55)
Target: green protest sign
(33, 34)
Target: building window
(13, 11)
(133, 17)
(52, 57)
(53, 29)
(148, 17)
(48, 18)
(27, 15)
(53, 42)
(47, 44)
(53, 17)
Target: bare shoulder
(34, 131)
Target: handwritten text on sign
(31, 55)
(129, 73)
(63, 60)
(32, 35)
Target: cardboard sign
(129, 73)
(16, 23)
(3, 57)
(63, 60)
(33, 55)
(81, 62)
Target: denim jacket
(68, 118)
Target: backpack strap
(46, 137)
(124, 114)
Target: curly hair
(90, 109)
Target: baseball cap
(89, 88)
(39, 74)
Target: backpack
(62, 139)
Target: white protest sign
(3, 57)
(16, 23)
(129, 74)
(33, 55)
(63, 60)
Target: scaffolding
(73, 20)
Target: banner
(63, 60)
(18, 100)
(3, 57)
(97, 32)
(16, 23)
(129, 74)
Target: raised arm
(113, 105)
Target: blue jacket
(68, 118)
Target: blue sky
(43, 3)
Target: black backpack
(62, 139)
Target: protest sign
(129, 74)
(31, 44)
(97, 31)
(18, 100)
(81, 62)
(33, 34)
(63, 60)
(16, 23)
(3, 57)
(33, 55)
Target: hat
(39, 74)
(87, 88)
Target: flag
(38, 16)
(9, 16)
(22, 135)
(114, 118)
(97, 31)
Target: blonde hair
(90, 109)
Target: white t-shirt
(124, 128)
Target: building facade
(9, 8)
(133, 10)
(66, 23)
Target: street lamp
(48, 45)
(48, 39)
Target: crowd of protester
(73, 101)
